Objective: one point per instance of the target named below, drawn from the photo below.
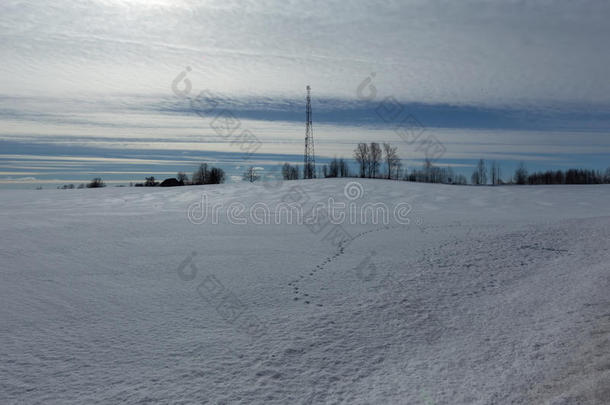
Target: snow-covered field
(488, 296)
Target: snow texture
(490, 295)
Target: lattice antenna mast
(309, 164)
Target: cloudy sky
(114, 87)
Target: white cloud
(472, 51)
(97, 74)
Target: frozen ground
(489, 296)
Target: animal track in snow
(298, 291)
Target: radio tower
(309, 164)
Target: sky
(122, 89)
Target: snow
(490, 295)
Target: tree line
(382, 161)
(369, 158)
(521, 176)
(570, 176)
(95, 183)
(336, 168)
(379, 161)
(204, 174)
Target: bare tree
(398, 169)
(391, 158)
(374, 159)
(286, 171)
(290, 172)
(494, 173)
(482, 172)
(343, 168)
(520, 176)
(182, 177)
(474, 177)
(216, 176)
(200, 176)
(479, 176)
(333, 168)
(251, 175)
(361, 154)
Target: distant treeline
(336, 168)
(382, 162)
(522, 177)
(570, 176)
(377, 161)
(95, 183)
(203, 175)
